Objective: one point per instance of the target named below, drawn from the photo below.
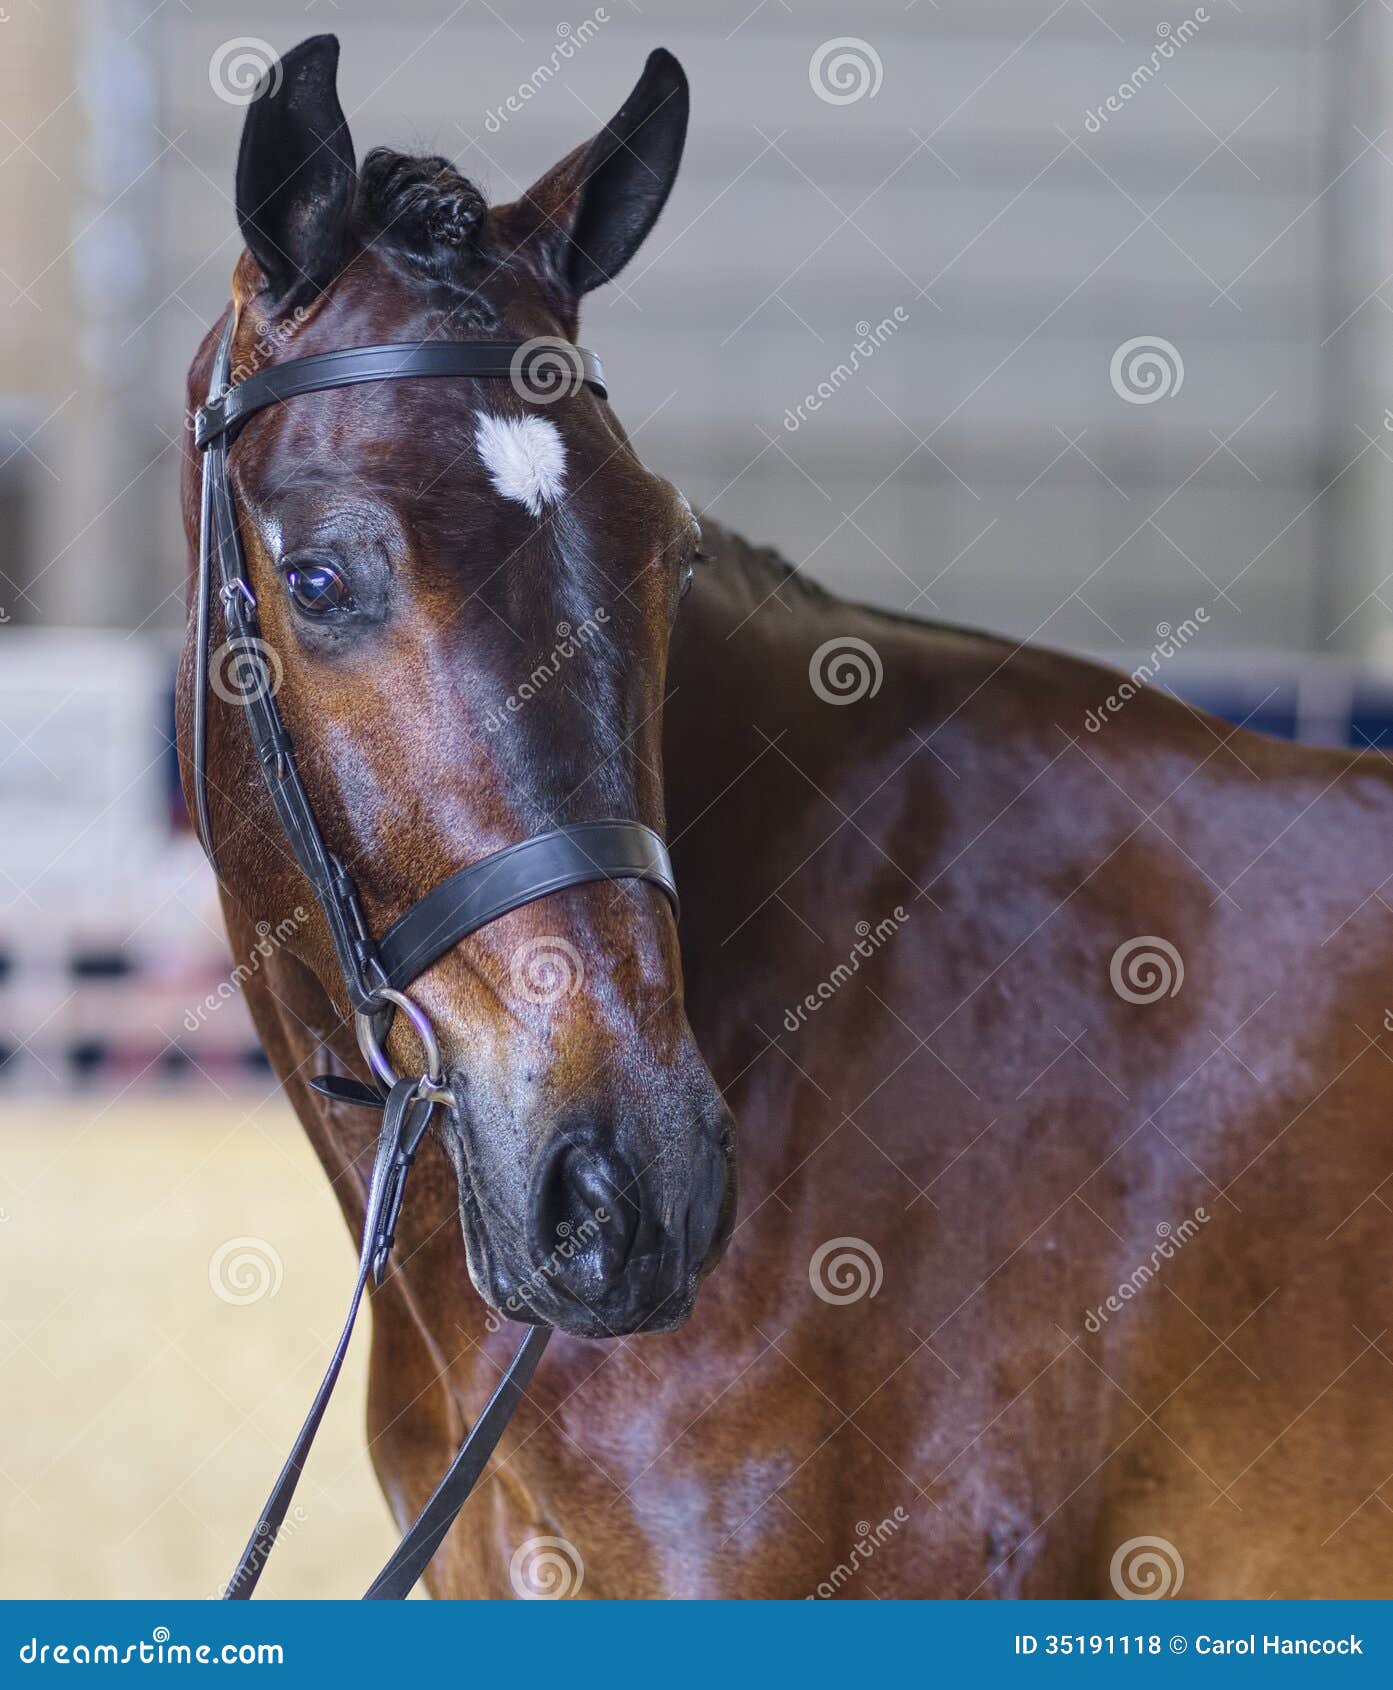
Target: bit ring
(370, 1042)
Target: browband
(541, 369)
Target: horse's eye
(317, 589)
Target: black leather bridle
(377, 971)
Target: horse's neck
(738, 671)
(744, 754)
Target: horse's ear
(296, 174)
(589, 214)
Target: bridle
(377, 971)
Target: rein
(377, 972)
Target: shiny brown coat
(981, 1107)
(1060, 1058)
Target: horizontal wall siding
(1020, 248)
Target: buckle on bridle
(232, 590)
(431, 1086)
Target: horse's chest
(763, 1485)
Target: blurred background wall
(1066, 319)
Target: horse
(1049, 1011)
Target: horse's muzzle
(611, 1240)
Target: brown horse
(1063, 1259)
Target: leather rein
(377, 971)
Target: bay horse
(1056, 1030)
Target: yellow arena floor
(174, 1275)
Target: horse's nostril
(584, 1215)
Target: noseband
(377, 971)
